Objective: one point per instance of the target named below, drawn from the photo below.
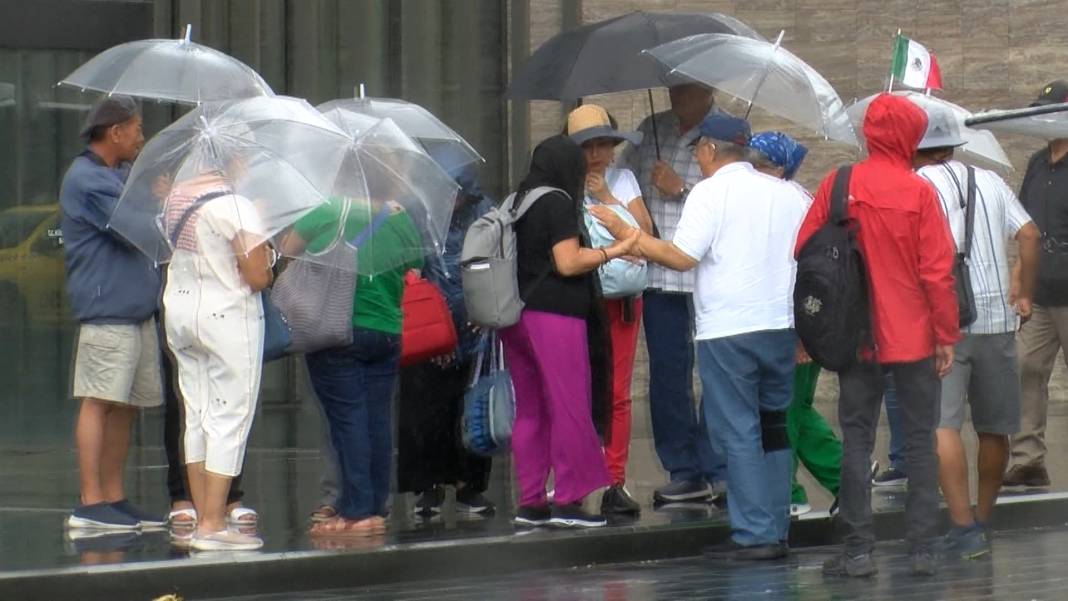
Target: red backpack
(427, 329)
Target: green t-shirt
(382, 259)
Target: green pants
(814, 443)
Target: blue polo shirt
(108, 280)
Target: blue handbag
(277, 335)
(619, 278)
(489, 404)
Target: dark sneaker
(97, 540)
(922, 563)
(616, 500)
(574, 516)
(473, 502)
(532, 516)
(874, 469)
(851, 566)
(732, 551)
(1026, 476)
(890, 477)
(967, 542)
(147, 520)
(430, 502)
(102, 516)
(682, 490)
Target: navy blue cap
(727, 128)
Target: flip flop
(323, 514)
(182, 517)
(243, 516)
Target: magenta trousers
(550, 369)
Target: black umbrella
(606, 56)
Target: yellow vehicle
(31, 266)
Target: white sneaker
(797, 509)
(225, 540)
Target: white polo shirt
(740, 226)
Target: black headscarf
(560, 163)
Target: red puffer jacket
(902, 235)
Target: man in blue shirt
(113, 290)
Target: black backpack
(831, 291)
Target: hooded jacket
(907, 248)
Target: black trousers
(173, 420)
(430, 449)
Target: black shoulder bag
(961, 271)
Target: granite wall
(993, 53)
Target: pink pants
(550, 369)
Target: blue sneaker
(101, 516)
(147, 520)
(965, 542)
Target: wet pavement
(1027, 565)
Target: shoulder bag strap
(370, 228)
(840, 194)
(969, 213)
(199, 202)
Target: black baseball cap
(110, 110)
(1055, 92)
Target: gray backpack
(488, 265)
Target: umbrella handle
(652, 118)
(764, 76)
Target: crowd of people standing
(713, 218)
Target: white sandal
(188, 512)
(243, 516)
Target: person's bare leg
(953, 476)
(209, 496)
(89, 432)
(993, 458)
(116, 448)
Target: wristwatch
(683, 193)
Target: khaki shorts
(119, 363)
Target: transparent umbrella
(764, 74)
(982, 148)
(441, 141)
(390, 202)
(1052, 126)
(173, 70)
(273, 159)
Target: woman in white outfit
(214, 324)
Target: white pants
(219, 360)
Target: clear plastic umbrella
(173, 70)
(447, 147)
(1052, 126)
(275, 157)
(394, 199)
(764, 74)
(982, 148)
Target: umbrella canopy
(448, 147)
(385, 172)
(173, 70)
(277, 156)
(604, 57)
(763, 74)
(981, 149)
(1052, 126)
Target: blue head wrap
(782, 150)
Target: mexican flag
(914, 66)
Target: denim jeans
(355, 387)
(679, 432)
(893, 420)
(860, 393)
(743, 377)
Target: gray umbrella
(607, 56)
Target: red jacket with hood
(901, 234)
